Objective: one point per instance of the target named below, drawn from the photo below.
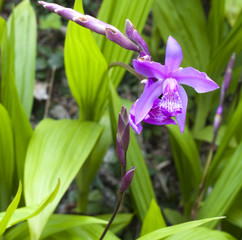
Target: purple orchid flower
(165, 81)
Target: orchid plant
(49, 158)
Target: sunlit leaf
(9, 98)
(153, 219)
(6, 159)
(12, 207)
(2, 28)
(201, 233)
(232, 10)
(86, 70)
(25, 213)
(25, 39)
(168, 231)
(57, 151)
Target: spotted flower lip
(166, 83)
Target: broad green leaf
(115, 13)
(25, 39)
(12, 207)
(86, 70)
(121, 221)
(6, 159)
(141, 187)
(22, 130)
(92, 164)
(173, 216)
(153, 219)
(225, 190)
(232, 10)
(25, 213)
(187, 161)
(57, 150)
(216, 23)
(60, 222)
(168, 231)
(201, 233)
(185, 21)
(88, 232)
(233, 126)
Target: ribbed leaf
(153, 219)
(232, 10)
(185, 21)
(225, 190)
(9, 98)
(25, 39)
(12, 207)
(115, 13)
(201, 233)
(168, 231)
(86, 70)
(188, 166)
(2, 28)
(6, 159)
(25, 213)
(57, 151)
(141, 187)
(92, 164)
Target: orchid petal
(173, 55)
(150, 69)
(146, 100)
(156, 121)
(181, 118)
(137, 127)
(193, 78)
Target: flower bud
(127, 179)
(217, 119)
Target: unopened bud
(217, 119)
(120, 153)
(127, 179)
(132, 33)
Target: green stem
(120, 197)
(127, 67)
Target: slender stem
(127, 67)
(205, 172)
(120, 197)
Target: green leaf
(232, 10)
(121, 221)
(60, 222)
(185, 21)
(2, 29)
(22, 129)
(165, 232)
(92, 164)
(232, 127)
(216, 23)
(173, 216)
(12, 207)
(153, 219)
(225, 190)
(86, 70)
(201, 233)
(51, 21)
(187, 161)
(25, 39)
(57, 150)
(141, 187)
(25, 213)
(6, 159)
(115, 13)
